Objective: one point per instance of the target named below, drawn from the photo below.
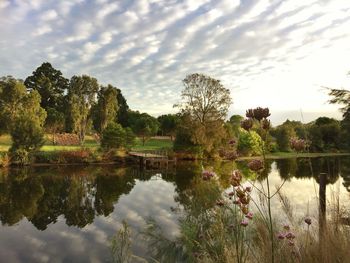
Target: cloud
(49, 15)
(280, 51)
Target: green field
(151, 144)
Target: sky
(269, 53)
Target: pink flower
(280, 236)
(244, 223)
(249, 215)
(256, 165)
(248, 189)
(290, 235)
(220, 202)
(207, 175)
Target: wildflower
(261, 113)
(266, 124)
(291, 243)
(307, 220)
(232, 142)
(244, 209)
(248, 189)
(236, 178)
(207, 175)
(240, 192)
(231, 193)
(244, 223)
(256, 165)
(249, 113)
(290, 235)
(245, 200)
(297, 145)
(249, 215)
(220, 202)
(237, 202)
(281, 236)
(247, 124)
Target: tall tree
(123, 109)
(143, 125)
(81, 97)
(168, 124)
(12, 92)
(342, 97)
(105, 111)
(205, 103)
(50, 84)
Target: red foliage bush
(67, 139)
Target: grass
(152, 144)
(285, 155)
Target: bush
(130, 138)
(26, 134)
(4, 159)
(249, 143)
(20, 156)
(67, 139)
(113, 137)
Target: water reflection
(76, 209)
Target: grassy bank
(90, 143)
(285, 155)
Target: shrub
(79, 156)
(130, 138)
(26, 134)
(20, 156)
(113, 137)
(67, 139)
(249, 143)
(4, 159)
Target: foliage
(123, 109)
(325, 134)
(81, 97)
(27, 132)
(113, 137)
(168, 124)
(203, 109)
(105, 111)
(120, 245)
(12, 93)
(54, 123)
(249, 143)
(50, 84)
(67, 139)
(143, 125)
(130, 138)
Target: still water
(70, 214)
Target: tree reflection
(79, 194)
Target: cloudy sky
(275, 53)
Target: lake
(70, 213)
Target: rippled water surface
(69, 214)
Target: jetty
(154, 160)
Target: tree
(105, 111)
(113, 137)
(81, 97)
(50, 84)
(249, 143)
(27, 131)
(167, 124)
(12, 92)
(54, 122)
(325, 134)
(123, 109)
(342, 97)
(143, 125)
(205, 98)
(205, 103)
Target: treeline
(48, 102)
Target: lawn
(152, 144)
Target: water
(69, 214)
